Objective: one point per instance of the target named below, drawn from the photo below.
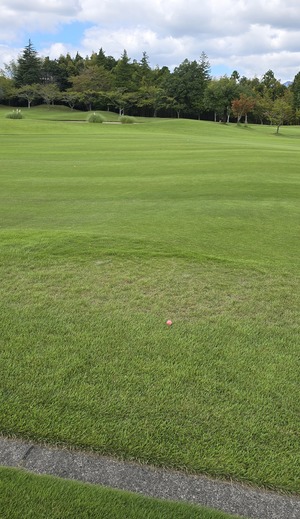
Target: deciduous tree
(281, 111)
(219, 96)
(28, 92)
(92, 78)
(263, 106)
(121, 99)
(242, 106)
(152, 97)
(70, 98)
(6, 88)
(49, 93)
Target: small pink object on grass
(169, 322)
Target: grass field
(26, 496)
(107, 231)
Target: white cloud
(57, 49)
(251, 36)
(161, 50)
(57, 7)
(18, 16)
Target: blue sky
(251, 36)
(68, 34)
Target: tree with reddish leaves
(242, 106)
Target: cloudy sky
(251, 36)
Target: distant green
(109, 230)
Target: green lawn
(107, 231)
(26, 496)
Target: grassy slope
(57, 113)
(107, 231)
(26, 496)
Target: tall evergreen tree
(108, 62)
(145, 68)
(295, 87)
(123, 72)
(272, 86)
(188, 83)
(28, 69)
(65, 68)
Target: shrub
(96, 118)
(126, 119)
(15, 114)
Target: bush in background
(96, 118)
(126, 119)
(15, 114)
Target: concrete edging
(149, 481)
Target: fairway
(107, 231)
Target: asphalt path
(230, 497)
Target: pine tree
(123, 72)
(28, 69)
(295, 88)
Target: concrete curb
(229, 497)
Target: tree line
(100, 82)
